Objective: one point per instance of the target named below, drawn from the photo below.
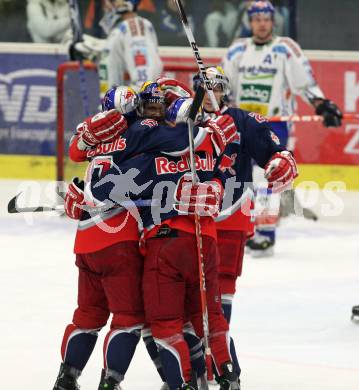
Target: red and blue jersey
(153, 177)
(98, 231)
(257, 142)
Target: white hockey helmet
(217, 78)
(115, 9)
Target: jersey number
(98, 167)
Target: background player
(129, 55)
(265, 74)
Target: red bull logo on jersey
(117, 144)
(165, 165)
(227, 163)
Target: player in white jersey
(129, 55)
(266, 72)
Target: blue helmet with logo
(179, 110)
(123, 98)
(150, 92)
(260, 7)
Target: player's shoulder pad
(237, 48)
(234, 112)
(289, 45)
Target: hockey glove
(90, 48)
(124, 99)
(101, 128)
(202, 198)
(280, 171)
(75, 199)
(223, 132)
(173, 89)
(332, 116)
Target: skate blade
(213, 385)
(257, 254)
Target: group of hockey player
(265, 72)
(136, 246)
(151, 281)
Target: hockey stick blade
(13, 207)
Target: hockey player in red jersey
(102, 250)
(235, 220)
(178, 371)
(171, 274)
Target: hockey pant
(171, 292)
(109, 282)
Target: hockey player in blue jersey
(256, 141)
(92, 240)
(171, 282)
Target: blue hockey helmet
(150, 92)
(123, 98)
(260, 7)
(178, 110)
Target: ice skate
(355, 313)
(109, 382)
(260, 246)
(202, 383)
(229, 380)
(67, 378)
(186, 386)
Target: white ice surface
(291, 317)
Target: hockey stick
(209, 89)
(308, 118)
(202, 279)
(77, 34)
(14, 208)
(290, 204)
(193, 44)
